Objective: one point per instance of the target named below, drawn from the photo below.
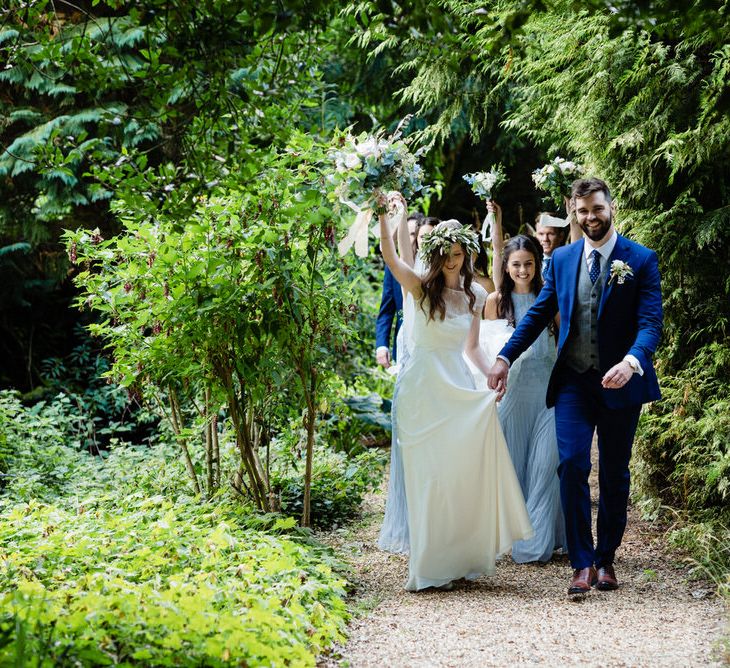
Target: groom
(606, 289)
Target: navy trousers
(579, 410)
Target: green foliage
(240, 310)
(339, 484)
(683, 443)
(38, 455)
(168, 584)
(102, 409)
(684, 439)
(118, 564)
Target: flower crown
(442, 237)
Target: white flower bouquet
(556, 177)
(484, 184)
(367, 167)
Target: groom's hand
(497, 378)
(617, 376)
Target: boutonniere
(620, 271)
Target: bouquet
(484, 184)
(556, 177)
(366, 168)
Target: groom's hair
(585, 187)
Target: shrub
(36, 460)
(683, 448)
(684, 439)
(339, 483)
(144, 581)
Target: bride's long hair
(433, 283)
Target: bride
(465, 506)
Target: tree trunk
(176, 419)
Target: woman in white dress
(464, 502)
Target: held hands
(617, 376)
(497, 378)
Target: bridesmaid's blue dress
(529, 429)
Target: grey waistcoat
(581, 349)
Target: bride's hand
(396, 199)
(497, 377)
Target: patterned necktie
(595, 270)
(546, 265)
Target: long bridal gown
(464, 501)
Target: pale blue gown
(394, 532)
(529, 429)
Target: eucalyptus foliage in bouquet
(484, 184)
(556, 177)
(366, 168)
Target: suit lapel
(572, 277)
(621, 251)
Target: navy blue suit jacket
(391, 307)
(629, 318)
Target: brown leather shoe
(606, 578)
(582, 580)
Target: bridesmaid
(528, 425)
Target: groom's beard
(598, 233)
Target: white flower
(352, 161)
(550, 169)
(620, 271)
(368, 147)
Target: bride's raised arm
(404, 274)
(405, 244)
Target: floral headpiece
(442, 237)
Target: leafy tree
(229, 301)
(85, 86)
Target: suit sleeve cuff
(379, 348)
(634, 364)
(505, 360)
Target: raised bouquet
(556, 177)
(366, 169)
(484, 184)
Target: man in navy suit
(391, 307)
(607, 291)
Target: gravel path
(522, 616)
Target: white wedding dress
(465, 506)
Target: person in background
(551, 232)
(391, 305)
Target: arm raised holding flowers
(497, 237)
(409, 280)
